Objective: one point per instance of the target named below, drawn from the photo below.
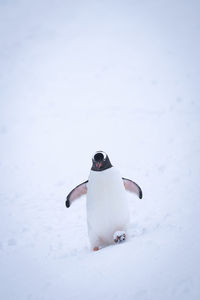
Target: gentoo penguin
(107, 206)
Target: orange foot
(95, 248)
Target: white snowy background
(81, 76)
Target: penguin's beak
(98, 164)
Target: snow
(75, 78)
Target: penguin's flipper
(77, 192)
(133, 187)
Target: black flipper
(77, 192)
(133, 187)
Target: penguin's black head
(100, 161)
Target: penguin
(107, 205)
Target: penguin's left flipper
(133, 187)
(77, 192)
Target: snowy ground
(81, 76)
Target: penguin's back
(107, 207)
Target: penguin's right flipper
(133, 187)
(77, 192)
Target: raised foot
(119, 236)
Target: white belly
(107, 207)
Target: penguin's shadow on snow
(136, 230)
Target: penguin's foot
(95, 248)
(119, 236)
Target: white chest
(105, 185)
(107, 207)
